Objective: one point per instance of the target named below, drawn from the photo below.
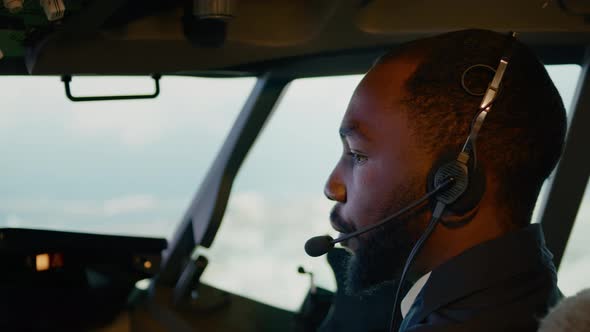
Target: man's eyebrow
(347, 131)
(351, 130)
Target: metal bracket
(68, 78)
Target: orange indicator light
(42, 262)
(147, 264)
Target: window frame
(571, 176)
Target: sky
(132, 167)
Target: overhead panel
(143, 37)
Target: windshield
(117, 167)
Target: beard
(381, 254)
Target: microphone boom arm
(429, 194)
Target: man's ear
(451, 219)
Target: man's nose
(335, 189)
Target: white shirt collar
(409, 299)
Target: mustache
(338, 221)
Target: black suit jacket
(506, 284)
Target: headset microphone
(320, 245)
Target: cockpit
(163, 161)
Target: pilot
(484, 267)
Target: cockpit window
(117, 167)
(565, 78)
(277, 201)
(575, 265)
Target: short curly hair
(523, 136)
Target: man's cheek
(366, 212)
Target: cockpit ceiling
(117, 37)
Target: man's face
(380, 171)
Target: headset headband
(488, 99)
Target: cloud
(130, 204)
(573, 276)
(131, 124)
(260, 245)
(13, 221)
(249, 206)
(138, 214)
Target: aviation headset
(458, 180)
(468, 180)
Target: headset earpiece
(466, 191)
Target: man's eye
(358, 158)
